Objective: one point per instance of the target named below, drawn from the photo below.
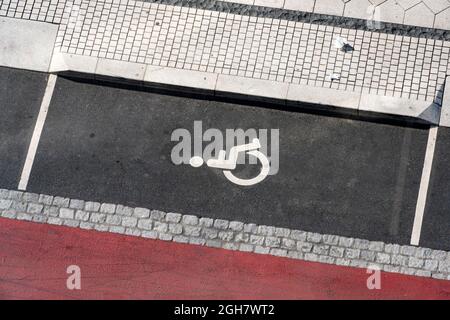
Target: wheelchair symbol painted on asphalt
(227, 165)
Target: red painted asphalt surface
(34, 259)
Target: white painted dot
(196, 162)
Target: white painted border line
(424, 183)
(26, 171)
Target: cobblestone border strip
(219, 233)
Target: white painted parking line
(37, 132)
(424, 183)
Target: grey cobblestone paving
(229, 235)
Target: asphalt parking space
(436, 220)
(21, 94)
(336, 176)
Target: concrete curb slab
(71, 62)
(180, 77)
(251, 87)
(120, 69)
(324, 96)
(422, 110)
(445, 112)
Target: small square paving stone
(160, 226)
(165, 236)
(392, 248)
(129, 222)
(438, 255)
(15, 195)
(5, 204)
(266, 230)
(193, 231)
(71, 223)
(314, 237)
(114, 219)
(246, 247)
(376, 246)
(54, 220)
(278, 252)
(221, 224)
(141, 213)
(19, 205)
(35, 208)
(361, 244)
(383, 258)
(282, 232)
(45, 199)
(415, 262)
(261, 250)
(336, 252)
(132, 232)
(225, 235)
(86, 225)
(97, 217)
(175, 228)
(124, 211)
(352, 253)
(190, 220)
(150, 234)
(304, 246)
(256, 239)
(197, 240)
(241, 237)
(108, 208)
(250, 228)
(330, 239)
(101, 227)
(288, 243)
(368, 255)
(146, 224)
(117, 229)
(342, 262)
(4, 194)
(76, 204)
(298, 235)
(51, 211)
(423, 252)
(157, 215)
(408, 250)
(82, 215)
(346, 242)
(431, 265)
(65, 213)
(321, 249)
(11, 214)
(236, 226)
(39, 218)
(206, 222)
(209, 233)
(181, 239)
(92, 206)
(173, 217)
(61, 202)
(30, 197)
